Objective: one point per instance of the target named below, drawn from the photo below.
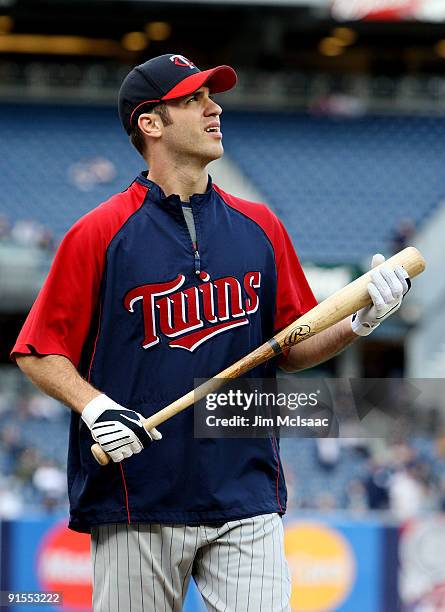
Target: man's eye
(194, 97)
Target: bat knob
(100, 455)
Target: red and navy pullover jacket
(124, 302)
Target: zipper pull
(197, 262)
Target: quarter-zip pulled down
(189, 219)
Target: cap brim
(219, 79)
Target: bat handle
(99, 454)
(103, 458)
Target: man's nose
(213, 108)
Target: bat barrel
(346, 301)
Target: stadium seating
(300, 459)
(340, 185)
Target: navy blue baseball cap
(167, 77)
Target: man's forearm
(56, 376)
(386, 291)
(319, 348)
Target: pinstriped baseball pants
(238, 566)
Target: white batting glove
(387, 290)
(118, 430)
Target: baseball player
(171, 280)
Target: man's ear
(150, 124)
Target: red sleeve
(60, 318)
(294, 295)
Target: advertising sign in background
(422, 570)
(338, 565)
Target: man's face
(195, 130)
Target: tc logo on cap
(180, 60)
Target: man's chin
(206, 156)
(216, 154)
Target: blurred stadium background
(338, 123)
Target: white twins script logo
(181, 315)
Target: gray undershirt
(188, 216)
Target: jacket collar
(173, 201)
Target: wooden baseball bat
(335, 308)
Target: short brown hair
(136, 135)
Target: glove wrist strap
(94, 409)
(362, 329)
